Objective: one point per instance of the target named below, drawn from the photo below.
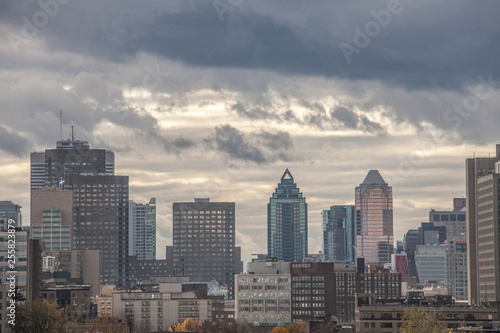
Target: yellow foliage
(416, 321)
(193, 325)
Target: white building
(162, 308)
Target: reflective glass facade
(142, 230)
(287, 221)
(339, 234)
(374, 219)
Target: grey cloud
(424, 46)
(232, 141)
(254, 113)
(345, 116)
(13, 143)
(262, 147)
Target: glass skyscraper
(287, 221)
(374, 220)
(339, 234)
(142, 230)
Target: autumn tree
(190, 325)
(416, 321)
(295, 328)
(40, 316)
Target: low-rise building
(158, 308)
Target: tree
(40, 316)
(296, 328)
(416, 321)
(190, 325)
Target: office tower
(204, 242)
(456, 268)
(430, 262)
(21, 253)
(429, 234)
(399, 263)
(287, 221)
(411, 240)
(453, 220)
(71, 157)
(142, 230)
(100, 202)
(10, 210)
(339, 234)
(374, 221)
(52, 217)
(480, 241)
(101, 222)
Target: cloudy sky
(217, 98)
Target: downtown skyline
(195, 105)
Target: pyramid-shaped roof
(374, 178)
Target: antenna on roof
(72, 133)
(60, 125)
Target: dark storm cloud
(426, 44)
(13, 143)
(260, 147)
(345, 116)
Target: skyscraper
(482, 238)
(100, 202)
(374, 219)
(287, 221)
(204, 242)
(142, 230)
(10, 210)
(339, 234)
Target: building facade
(453, 220)
(476, 168)
(431, 264)
(101, 222)
(142, 230)
(158, 310)
(456, 268)
(374, 219)
(52, 217)
(204, 242)
(339, 234)
(287, 221)
(12, 211)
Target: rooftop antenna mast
(72, 133)
(60, 125)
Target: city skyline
(196, 102)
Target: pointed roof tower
(373, 178)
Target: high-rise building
(142, 230)
(411, 240)
(487, 241)
(204, 242)
(453, 220)
(456, 268)
(339, 234)
(482, 242)
(100, 202)
(12, 211)
(374, 219)
(430, 262)
(71, 157)
(101, 222)
(287, 221)
(52, 217)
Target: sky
(217, 98)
